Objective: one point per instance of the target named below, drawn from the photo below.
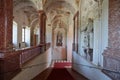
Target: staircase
(60, 73)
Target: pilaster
(112, 53)
(6, 21)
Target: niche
(88, 40)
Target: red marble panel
(9, 65)
(28, 54)
(114, 23)
(2, 25)
(6, 16)
(1, 1)
(112, 54)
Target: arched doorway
(59, 41)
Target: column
(9, 59)
(112, 53)
(6, 21)
(42, 28)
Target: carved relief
(88, 40)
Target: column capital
(41, 11)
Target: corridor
(81, 35)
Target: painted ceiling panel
(56, 10)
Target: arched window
(26, 36)
(14, 35)
(23, 34)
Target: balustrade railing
(12, 60)
(29, 53)
(9, 64)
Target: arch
(59, 4)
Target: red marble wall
(6, 16)
(112, 54)
(10, 65)
(10, 60)
(114, 24)
(42, 27)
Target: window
(23, 34)
(26, 35)
(14, 34)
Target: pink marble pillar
(9, 59)
(6, 21)
(112, 54)
(42, 30)
(42, 27)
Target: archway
(59, 43)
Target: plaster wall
(69, 42)
(48, 34)
(19, 36)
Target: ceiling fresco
(57, 11)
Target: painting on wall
(59, 39)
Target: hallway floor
(60, 70)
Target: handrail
(29, 53)
(99, 68)
(11, 61)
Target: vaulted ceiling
(57, 11)
(60, 12)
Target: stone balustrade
(11, 62)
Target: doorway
(59, 44)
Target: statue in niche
(59, 39)
(88, 40)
